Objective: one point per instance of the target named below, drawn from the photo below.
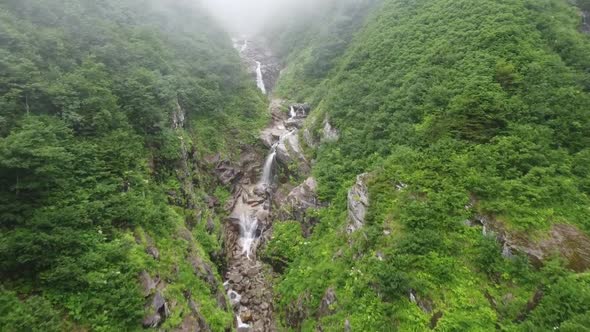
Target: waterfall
(248, 227)
(266, 178)
(244, 46)
(259, 79)
(292, 113)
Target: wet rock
(147, 283)
(252, 272)
(226, 173)
(246, 315)
(263, 216)
(236, 278)
(289, 149)
(158, 311)
(358, 202)
(327, 303)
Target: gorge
(338, 165)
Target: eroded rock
(329, 133)
(327, 303)
(358, 203)
(297, 204)
(147, 283)
(566, 240)
(158, 311)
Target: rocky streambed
(254, 183)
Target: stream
(247, 283)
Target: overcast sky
(248, 16)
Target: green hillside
(101, 177)
(458, 110)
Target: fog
(250, 16)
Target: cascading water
(267, 170)
(259, 78)
(248, 228)
(292, 113)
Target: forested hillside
(107, 112)
(470, 123)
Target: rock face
(297, 203)
(253, 51)
(329, 133)
(158, 311)
(327, 303)
(283, 134)
(147, 283)
(567, 240)
(358, 202)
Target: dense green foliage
(456, 108)
(89, 156)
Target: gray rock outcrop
(358, 203)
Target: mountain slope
(467, 118)
(107, 112)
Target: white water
(241, 325)
(292, 113)
(248, 227)
(259, 79)
(234, 297)
(266, 178)
(244, 46)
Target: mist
(248, 17)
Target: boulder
(158, 311)
(288, 150)
(226, 173)
(301, 110)
(358, 202)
